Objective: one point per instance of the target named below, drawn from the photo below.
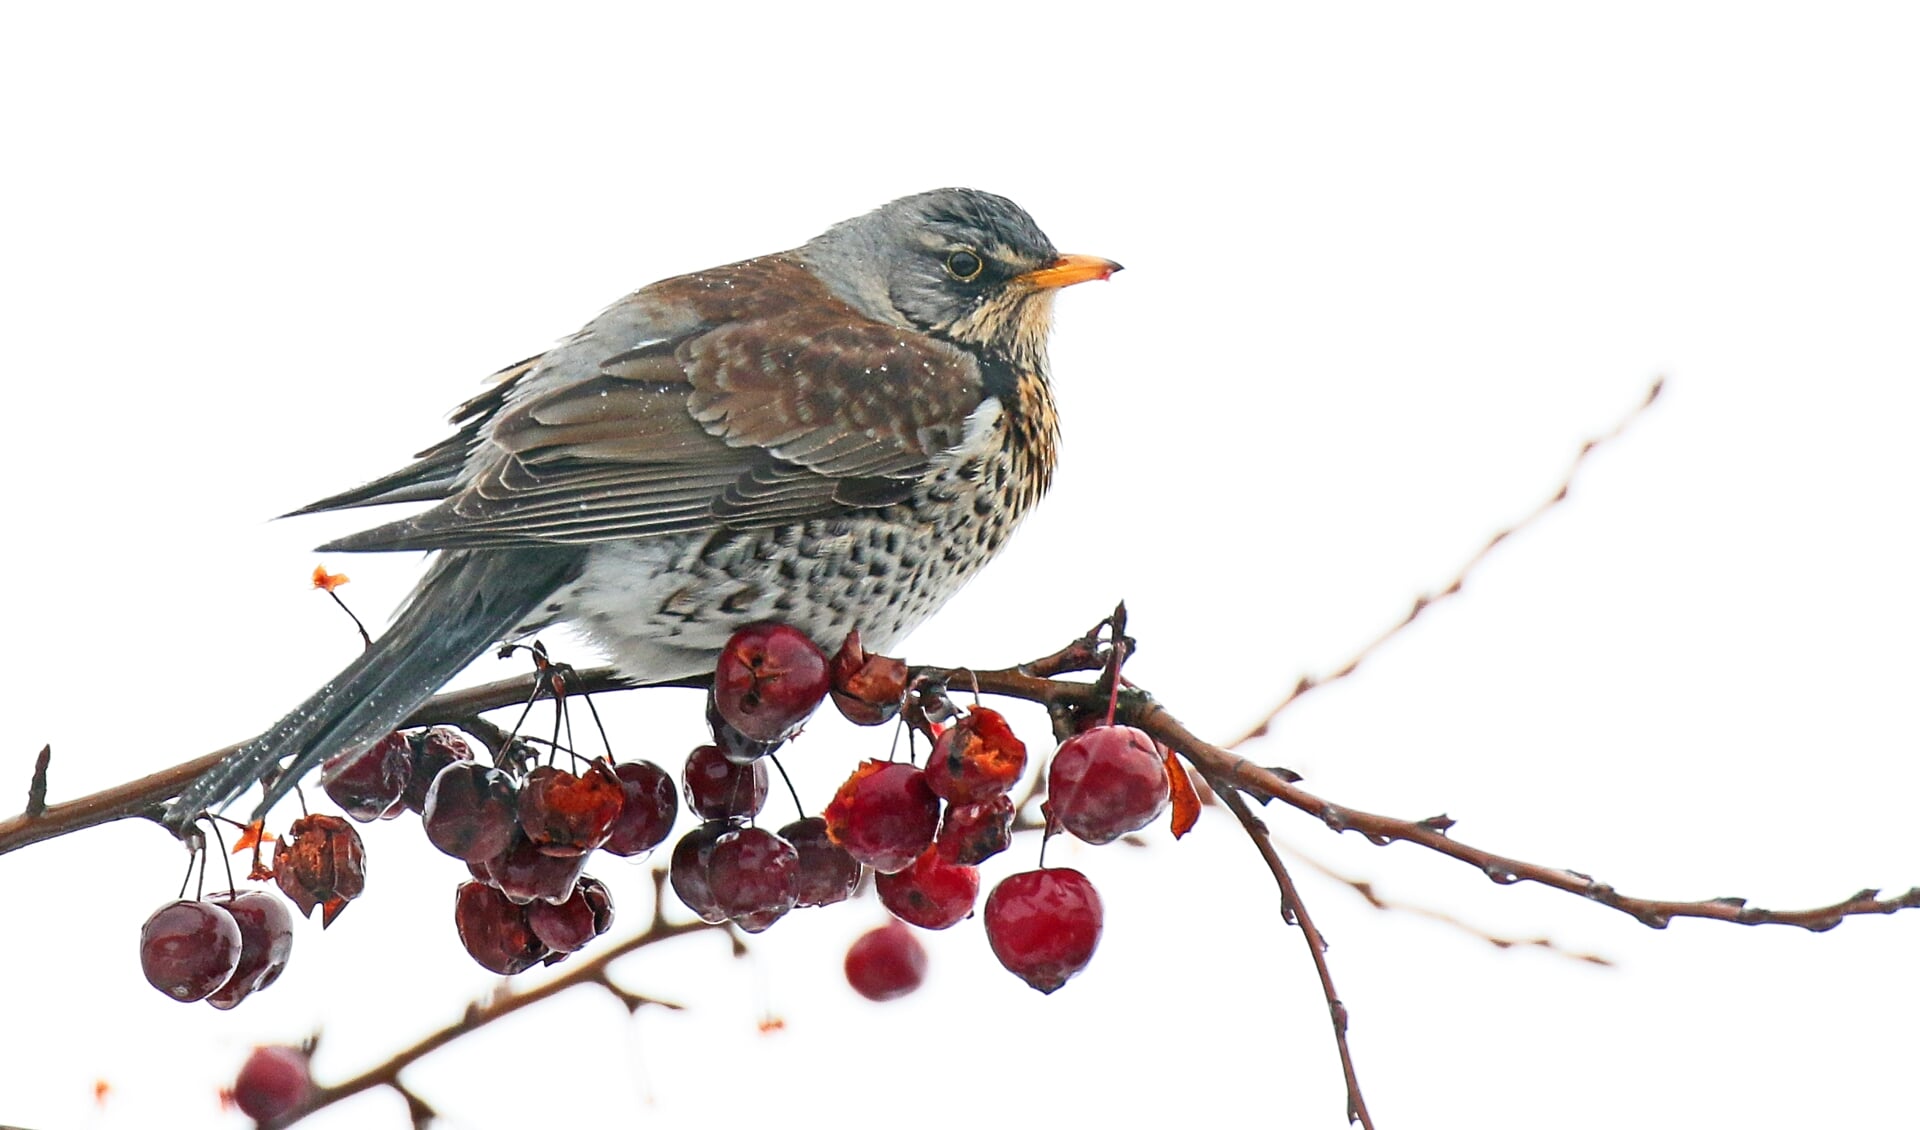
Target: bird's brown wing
(807, 411)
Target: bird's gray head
(957, 263)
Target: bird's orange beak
(1070, 269)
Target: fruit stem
(799, 810)
(214, 826)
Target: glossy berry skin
(320, 862)
(266, 942)
(754, 876)
(972, 833)
(866, 688)
(567, 815)
(272, 1083)
(565, 927)
(524, 873)
(720, 789)
(433, 750)
(769, 678)
(367, 784)
(827, 873)
(189, 948)
(1044, 925)
(1106, 782)
(932, 894)
(886, 962)
(976, 759)
(495, 930)
(471, 811)
(738, 747)
(884, 815)
(688, 869)
(647, 810)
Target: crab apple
(567, 815)
(433, 750)
(884, 815)
(367, 784)
(738, 747)
(320, 862)
(931, 894)
(867, 688)
(1106, 782)
(975, 759)
(647, 810)
(1044, 925)
(827, 873)
(971, 833)
(524, 873)
(495, 930)
(769, 678)
(688, 869)
(471, 811)
(266, 941)
(564, 927)
(754, 876)
(721, 789)
(886, 962)
(272, 1083)
(189, 948)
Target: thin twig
(1295, 912)
(1452, 587)
(505, 1003)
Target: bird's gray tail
(466, 603)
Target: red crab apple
(769, 678)
(1106, 782)
(886, 962)
(1044, 925)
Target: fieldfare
(835, 437)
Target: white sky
(1387, 268)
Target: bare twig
(1295, 912)
(503, 1004)
(1452, 587)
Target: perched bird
(836, 437)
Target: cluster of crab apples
(527, 829)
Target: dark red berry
(719, 789)
(884, 815)
(866, 688)
(688, 870)
(272, 1083)
(471, 811)
(565, 927)
(433, 750)
(738, 747)
(567, 815)
(754, 877)
(827, 873)
(932, 894)
(320, 862)
(1106, 782)
(647, 811)
(367, 784)
(524, 873)
(495, 930)
(769, 678)
(886, 962)
(975, 759)
(266, 941)
(599, 901)
(1044, 925)
(971, 833)
(189, 948)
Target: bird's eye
(964, 265)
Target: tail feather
(466, 603)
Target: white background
(1386, 269)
